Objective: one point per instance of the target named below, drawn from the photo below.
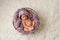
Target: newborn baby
(27, 22)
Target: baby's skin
(27, 23)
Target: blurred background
(47, 10)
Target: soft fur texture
(47, 10)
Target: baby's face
(24, 17)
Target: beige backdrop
(49, 14)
